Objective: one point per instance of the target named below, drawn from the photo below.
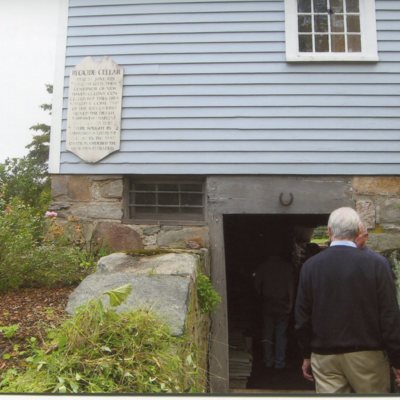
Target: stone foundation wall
(378, 202)
(97, 202)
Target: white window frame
(369, 47)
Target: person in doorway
(347, 316)
(274, 282)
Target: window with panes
(329, 26)
(169, 199)
(330, 30)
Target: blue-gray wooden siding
(207, 90)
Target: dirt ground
(35, 311)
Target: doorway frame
(257, 195)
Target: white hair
(344, 223)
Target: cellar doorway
(249, 240)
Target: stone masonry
(97, 203)
(378, 202)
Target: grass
(100, 351)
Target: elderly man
(347, 316)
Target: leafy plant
(9, 331)
(119, 295)
(37, 252)
(208, 297)
(320, 235)
(100, 351)
(27, 178)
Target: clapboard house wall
(207, 90)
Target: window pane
(144, 186)
(169, 210)
(352, 6)
(194, 210)
(305, 23)
(337, 6)
(168, 198)
(338, 43)
(353, 23)
(145, 198)
(145, 210)
(305, 43)
(337, 23)
(320, 6)
(321, 23)
(191, 199)
(354, 43)
(304, 6)
(321, 43)
(168, 187)
(191, 187)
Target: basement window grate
(166, 200)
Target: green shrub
(35, 253)
(9, 331)
(26, 180)
(320, 235)
(100, 351)
(20, 232)
(208, 297)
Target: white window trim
(368, 37)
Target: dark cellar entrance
(248, 240)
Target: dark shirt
(380, 257)
(347, 302)
(274, 281)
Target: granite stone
(160, 283)
(377, 185)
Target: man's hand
(396, 372)
(307, 373)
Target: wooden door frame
(257, 195)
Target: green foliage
(320, 235)
(39, 147)
(27, 178)
(32, 257)
(208, 297)
(20, 231)
(9, 331)
(119, 295)
(100, 351)
(34, 250)
(24, 179)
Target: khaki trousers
(358, 372)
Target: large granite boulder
(161, 283)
